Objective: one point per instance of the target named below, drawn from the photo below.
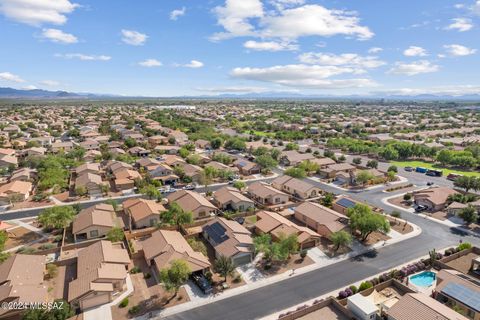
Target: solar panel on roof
(476, 282)
(347, 203)
(217, 232)
(466, 296)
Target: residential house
(91, 182)
(230, 239)
(93, 168)
(101, 275)
(92, 155)
(455, 208)
(222, 167)
(165, 246)
(231, 199)
(23, 174)
(192, 171)
(142, 213)
(323, 162)
(421, 306)
(157, 140)
(343, 203)
(180, 137)
(15, 191)
(62, 146)
(95, 222)
(296, 187)
(22, 282)
(434, 198)
(167, 149)
(193, 202)
(293, 157)
(331, 171)
(323, 220)
(277, 225)
(138, 151)
(247, 168)
(265, 194)
(460, 291)
(90, 144)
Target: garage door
(242, 260)
(308, 244)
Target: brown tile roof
(229, 194)
(142, 208)
(189, 200)
(87, 178)
(272, 222)
(238, 237)
(17, 186)
(420, 306)
(263, 190)
(98, 215)
(437, 195)
(293, 183)
(165, 246)
(322, 215)
(96, 264)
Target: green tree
(197, 245)
(57, 217)
(216, 143)
(327, 200)
(262, 243)
(176, 216)
(3, 239)
(150, 191)
(364, 176)
(357, 161)
(81, 191)
(175, 276)
(365, 221)
(393, 168)
(115, 234)
(291, 146)
(63, 312)
(372, 164)
(224, 266)
(464, 182)
(239, 184)
(266, 162)
(296, 173)
(309, 166)
(469, 215)
(340, 238)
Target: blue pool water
(424, 279)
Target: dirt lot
(399, 226)
(463, 263)
(374, 237)
(327, 247)
(295, 262)
(30, 204)
(398, 201)
(20, 236)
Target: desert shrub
(135, 270)
(133, 310)
(354, 289)
(365, 285)
(464, 246)
(124, 303)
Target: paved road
(281, 295)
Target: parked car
(421, 169)
(202, 282)
(420, 208)
(429, 183)
(240, 220)
(409, 169)
(189, 187)
(453, 176)
(434, 173)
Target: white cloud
(459, 6)
(270, 46)
(234, 18)
(37, 12)
(7, 76)
(150, 63)
(476, 8)
(83, 57)
(29, 87)
(238, 18)
(282, 4)
(50, 83)
(133, 37)
(414, 51)
(458, 50)
(460, 24)
(413, 68)
(345, 59)
(235, 89)
(375, 50)
(194, 64)
(56, 35)
(314, 20)
(304, 76)
(177, 13)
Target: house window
(201, 214)
(94, 233)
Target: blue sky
(170, 48)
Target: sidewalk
(320, 263)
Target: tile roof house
(7, 160)
(229, 198)
(91, 181)
(331, 171)
(323, 220)
(420, 306)
(95, 222)
(193, 202)
(20, 190)
(276, 225)
(457, 289)
(142, 212)
(164, 246)
(434, 198)
(296, 187)
(246, 167)
(62, 146)
(265, 194)
(343, 203)
(93, 168)
(293, 157)
(229, 239)
(101, 274)
(21, 280)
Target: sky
(195, 47)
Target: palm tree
(225, 266)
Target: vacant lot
(430, 165)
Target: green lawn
(262, 133)
(430, 165)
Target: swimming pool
(424, 279)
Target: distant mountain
(11, 93)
